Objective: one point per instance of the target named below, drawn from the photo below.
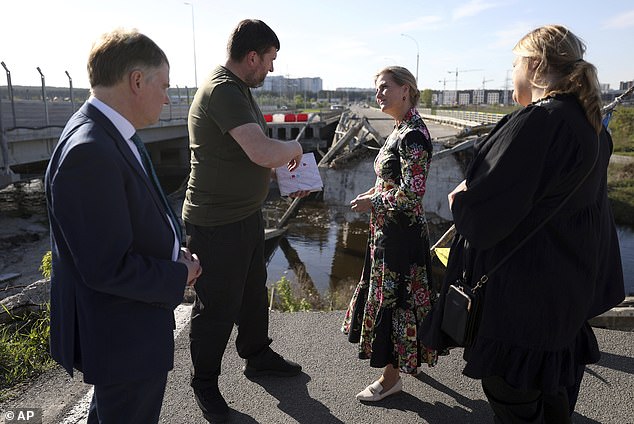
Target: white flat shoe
(372, 393)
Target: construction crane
(480, 95)
(444, 85)
(484, 81)
(461, 70)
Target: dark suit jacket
(114, 285)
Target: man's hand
(294, 163)
(299, 194)
(192, 263)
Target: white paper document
(305, 177)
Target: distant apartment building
(625, 85)
(282, 86)
(471, 97)
(609, 95)
(354, 89)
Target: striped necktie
(149, 168)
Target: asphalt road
(332, 375)
(384, 123)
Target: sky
(344, 42)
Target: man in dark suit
(118, 268)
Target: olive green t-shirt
(224, 185)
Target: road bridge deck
(324, 392)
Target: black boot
(270, 363)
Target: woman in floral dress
(394, 294)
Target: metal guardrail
(479, 117)
(448, 120)
(463, 115)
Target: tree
(622, 127)
(425, 97)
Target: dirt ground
(24, 235)
(23, 242)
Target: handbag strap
(483, 280)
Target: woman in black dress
(394, 294)
(534, 340)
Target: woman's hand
(460, 187)
(362, 203)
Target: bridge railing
(464, 115)
(31, 115)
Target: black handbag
(461, 314)
(462, 305)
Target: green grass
(621, 192)
(286, 301)
(24, 343)
(24, 349)
(622, 129)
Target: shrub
(287, 301)
(45, 267)
(24, 348)
(621, 192)
(622, 129)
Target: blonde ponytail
(561, 68)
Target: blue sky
(344, 42)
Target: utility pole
(417, 53)
(194, 44)
(444, 84)
(506, 88)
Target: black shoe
(212, 404)
(270, 363)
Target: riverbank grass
(621, 192)
(24, 343)
(24, 349)
(286, 301)
(288, 296)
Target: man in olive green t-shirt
(231, 162)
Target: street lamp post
(417, 53)
(10, 87)
(70, 83)
(444, 84)
(194, 41)
(44, 94)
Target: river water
(324, 246)
(323, 250)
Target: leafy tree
(622, 127)
(425, 97)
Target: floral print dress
(394, 293)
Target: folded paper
(305, 177)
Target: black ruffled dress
(533, 330)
